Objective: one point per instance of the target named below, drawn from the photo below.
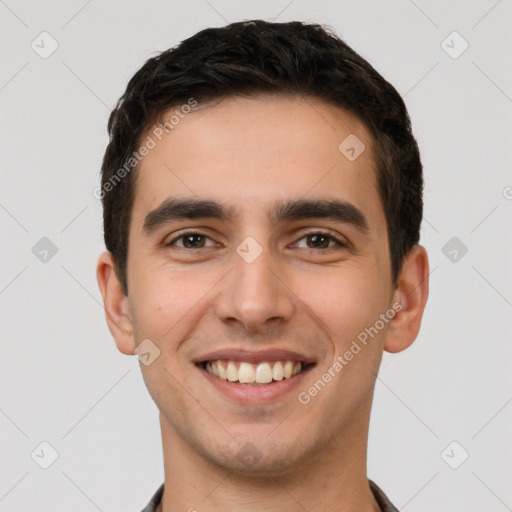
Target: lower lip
(260, 393)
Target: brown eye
(318, 241)
(191, 241)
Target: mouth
(254, 377)
(263, 373)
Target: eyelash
(327, 234)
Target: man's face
(263, 286)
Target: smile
(245, 373)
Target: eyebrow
(174, 209)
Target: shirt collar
(383, 501)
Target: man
(262, 197)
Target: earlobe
(115, 303)
(412, 294)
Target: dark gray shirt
(383, 501)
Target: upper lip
(254, 356)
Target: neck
(333, 479)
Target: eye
(191, 240)
(321, 240)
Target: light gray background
(63, 380)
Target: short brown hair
(259, 57)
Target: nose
(255, 294)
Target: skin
(249, 153)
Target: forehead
(252, 152)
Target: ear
(411, 296)
(115, 302)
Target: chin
(249, 455)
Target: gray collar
(383, 501)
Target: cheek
(163, 299)
(345, 302)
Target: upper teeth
(247, 373)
